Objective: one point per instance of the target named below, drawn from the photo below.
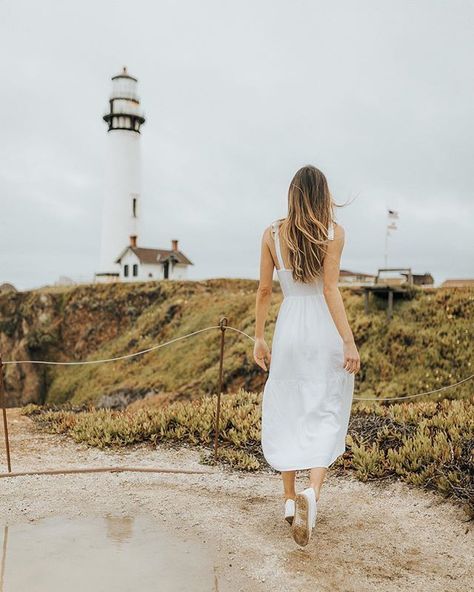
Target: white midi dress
(307, 396)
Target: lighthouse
(122, 201)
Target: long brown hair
(305, 230)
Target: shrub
(427, 444)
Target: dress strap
(331, 230)
(276, 238)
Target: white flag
(393, 214)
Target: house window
(125, 270)
(135, 269)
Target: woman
(308, 393)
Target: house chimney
(133, 240)
(174, 244)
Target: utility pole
(392, 215)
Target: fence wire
(223, 328)
(104, 361)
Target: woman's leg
(289, 484)
(316, 478)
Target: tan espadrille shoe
(305, 516)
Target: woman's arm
(334, 300)
(261, 351)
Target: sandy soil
(369, 537)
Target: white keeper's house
(122, 206)
(143, 263)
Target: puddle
(99, 555)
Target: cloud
(237, 97)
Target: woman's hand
(351, 357)
(261, 353)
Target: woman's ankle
(317, 490)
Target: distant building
(355, 277)
(143, 263)
(460, 283)
(421, 279)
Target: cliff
(427, 343)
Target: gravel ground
(369, 537)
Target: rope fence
(222, 326)
(106, 360)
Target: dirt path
(368, 537)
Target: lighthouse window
(134, 207)
(125, 270)
(135, 269)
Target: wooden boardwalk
(390, 287)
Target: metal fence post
(4, 412)
(389, 304)
(223, 326)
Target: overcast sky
(238, 95)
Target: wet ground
(100, 554)
(369, 537)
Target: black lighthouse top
(124, 112)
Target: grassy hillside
(427, 343)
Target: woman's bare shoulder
(339, 231)
(268, 232)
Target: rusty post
(366, 301)
(223, 326)
(4, 554)
(4, 412)
(389, 304)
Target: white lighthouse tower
(121, 208)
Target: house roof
(153, 256)
(347, 272)
(457, 283)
